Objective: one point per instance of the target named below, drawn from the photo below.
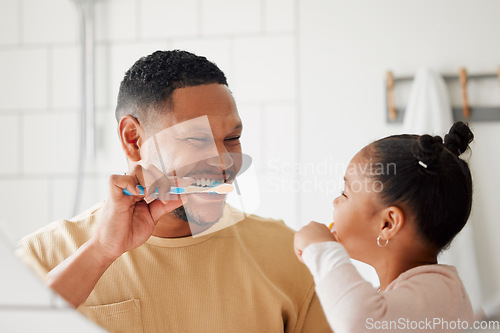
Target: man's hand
(312, 233)
(127, 221)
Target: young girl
(405, 199)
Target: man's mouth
(209, 180)
(206, 182)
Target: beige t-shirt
(244, 278)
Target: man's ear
(131, 136)
(393, 220)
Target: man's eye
(196, 139)
(343, 194)
(233, 139)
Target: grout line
(20, 20)
(20, 140)
(108, 77)
(44, 111)
(34, 45)
(138, 27)
(263, 25)
(152, 40)
(50, 197)
(50, 78)
(196, 37)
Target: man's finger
(117, 183)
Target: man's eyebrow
(198, 128)
(346, 181)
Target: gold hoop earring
(382, 245)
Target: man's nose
(336, 201)
(223, 161)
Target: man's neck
(170, 226)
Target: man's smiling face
(207, 151)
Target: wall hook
(462, 74)
(390, 96)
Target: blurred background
(308, 77)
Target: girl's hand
(312, 233)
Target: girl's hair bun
(428, 150)
(432, 183)
(458, 138)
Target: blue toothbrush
(223, 188)
(173, 190)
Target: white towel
(429, 109)
(429, 112)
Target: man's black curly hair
(148, 85)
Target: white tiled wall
(168, 18)
(25, 204)
(25, 78)
(253, 42)
(49, 21)
(230, 17)
(65, 75)
(11, 152)
(9, 26)
(50, 142)
(112, 27)
(279, 16)
(264, 68)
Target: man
(149, 262)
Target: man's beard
(191, 217)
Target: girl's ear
(392, 222)
(131, 136)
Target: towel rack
(466, 112)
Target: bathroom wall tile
(217, 50)
(52, 145)
(253, 135)
(115, 19)
(109, 157)
(10, 151)
(63, 191)
(56, 321)
(122, 57)
(25, 206)
(18, 284)
(230, 16)
(264, 69)
(50, 21)
(279, 15)
(23, 83)
(103, 76)
(66, 77)
(167, 18)
(9, 25)
(278, 198)
(281, 133)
